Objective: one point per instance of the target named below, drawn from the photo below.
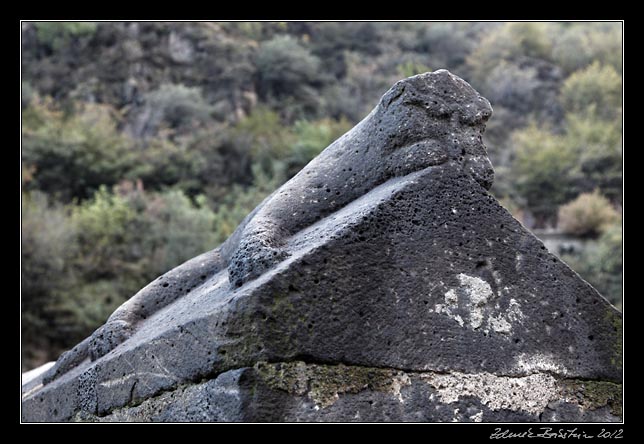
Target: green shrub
(601, 264)
(588, 215)
(284, 65)
(103, 231)
(510, 42)
(446, 44)
(179, 105)
(514, 87)
(57, 35)
(288, 75)
(162, 163)
(171, 229)
(73, 154)
(550, 169)
(411, 68)
(264, 136)
(80, 262)
(310, 139)
(577, 45)
(27, 94)
(541, 170)
(596, 89)
(599, 146)
(47, 244)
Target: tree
(47, 244)
(174, 229)
(595, 90)
(550, 169)
(541, 171)
(598, 144)
(264, 136)
(73, 154)
(446, 44)
(578, 45)
(510, 42)
(177, 107)
(288, 74)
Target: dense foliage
(145, 144)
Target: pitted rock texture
(297, 391)
(419, 274)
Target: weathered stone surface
(401, 293)
(30, 377)
(296, 391)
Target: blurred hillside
(145, 144)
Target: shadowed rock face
(382, 279)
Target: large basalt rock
(404, 292)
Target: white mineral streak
(474, 301)
(399, 381)
(477, 417)
(529, 393)
(539, 362)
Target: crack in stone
(423, 374)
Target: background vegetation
(145, 144)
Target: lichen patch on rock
(324, 384)
(529, 393)
(474, 305)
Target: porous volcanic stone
(404, 293)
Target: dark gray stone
(217, 400)
(385, 252)
(300, 392)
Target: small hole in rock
(481, 264)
